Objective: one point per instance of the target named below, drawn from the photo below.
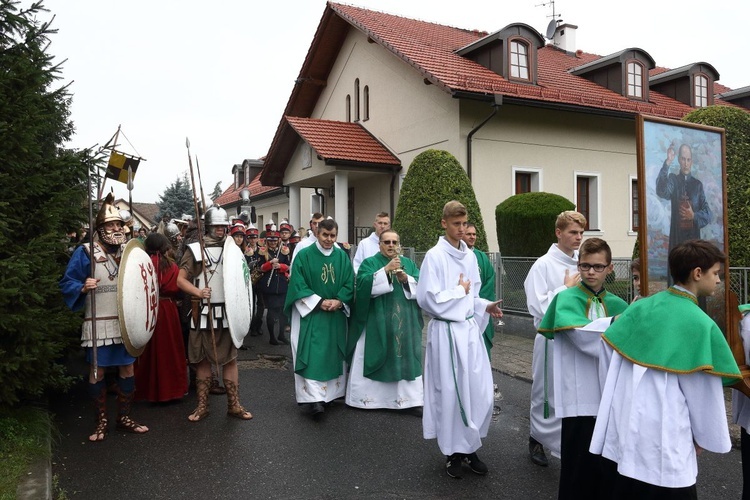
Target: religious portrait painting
(682, 196)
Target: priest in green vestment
(385, 335)
(321, 289)
(487, 274)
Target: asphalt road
(283, 454)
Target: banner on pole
(117, 168)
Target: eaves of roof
(231, 195)
(344, 143)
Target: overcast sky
(221, 72)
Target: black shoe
(316, 410)
(273, 342)
(453, 465)
(283, 340)
(476, 465)
(255, 333)
(414, 410)
(536, 452)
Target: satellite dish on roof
(551, 27)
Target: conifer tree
(176, 200)
(42, 198)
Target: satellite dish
(551, 27)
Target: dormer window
(519, 60)
(700, 94)
(510, 52)
(635, 80)
(623, 72)
(691, 84)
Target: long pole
(202, 245)
(92, 273)
(113, 142)
(200, 183)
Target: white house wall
(558, 144)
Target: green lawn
(24, 437)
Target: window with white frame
(587, 199)
(701, 91)
(527, 180)
(635, 80)
(348, 108)
(519, 60)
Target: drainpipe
(495, 106)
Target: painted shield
(238, 291)
(137, 297)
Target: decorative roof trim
(616, 58)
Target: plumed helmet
(216, 216)
(108, 211)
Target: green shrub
(526, 223)
(434, 178)
(736, 124)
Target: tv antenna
(556, 18)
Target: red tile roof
(232, 195)
(334, 140)
(430, 49)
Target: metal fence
(511, 272)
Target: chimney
(565, 37)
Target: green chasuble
(322, 334)
(569, 309)
(487, 274)
(393, 343)
(668, 331)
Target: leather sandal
(201, 411)
(100, 432)
(127, 424)
(234, 408)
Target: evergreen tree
(216, 192)
(176, 200)
(42, 199)
(434, 178)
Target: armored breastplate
(106, 271)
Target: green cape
(322, 334)
(393, 344)
(569, 309)
(668, 331)
(487, 274)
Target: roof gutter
(629, 115)
(498, 101)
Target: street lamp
(245, 211)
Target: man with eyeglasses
(370, 245)
(385, 341)
(576, 318)
(552, 273)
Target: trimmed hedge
(736, 124)
(434, 178)
(526, 223)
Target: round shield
(238, 291)
(137, 297)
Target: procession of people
(356, 334)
